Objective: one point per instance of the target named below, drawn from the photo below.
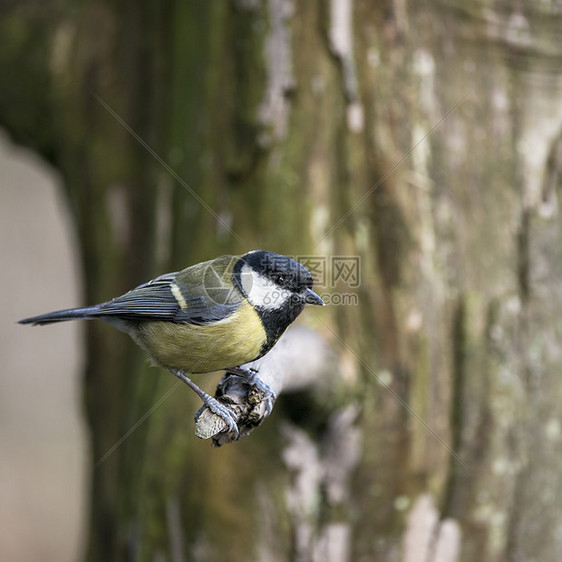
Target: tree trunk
(423, 137)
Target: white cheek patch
(261, 291)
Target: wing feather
(156, 300)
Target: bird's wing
(195, 295)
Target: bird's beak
(310, 297)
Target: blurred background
(419, 143)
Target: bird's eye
(280, 280)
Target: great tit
(215, 315)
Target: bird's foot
(226, 414)
(211, 403)
(253, 378)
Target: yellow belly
(201, 349)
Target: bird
(215, 315)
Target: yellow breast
(233, 341)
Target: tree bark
(423, 137)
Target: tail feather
(61, 316)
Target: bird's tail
(61, 316)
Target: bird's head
(272, 282)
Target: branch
(298, 359)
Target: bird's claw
(253, 378)
(220, 410)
